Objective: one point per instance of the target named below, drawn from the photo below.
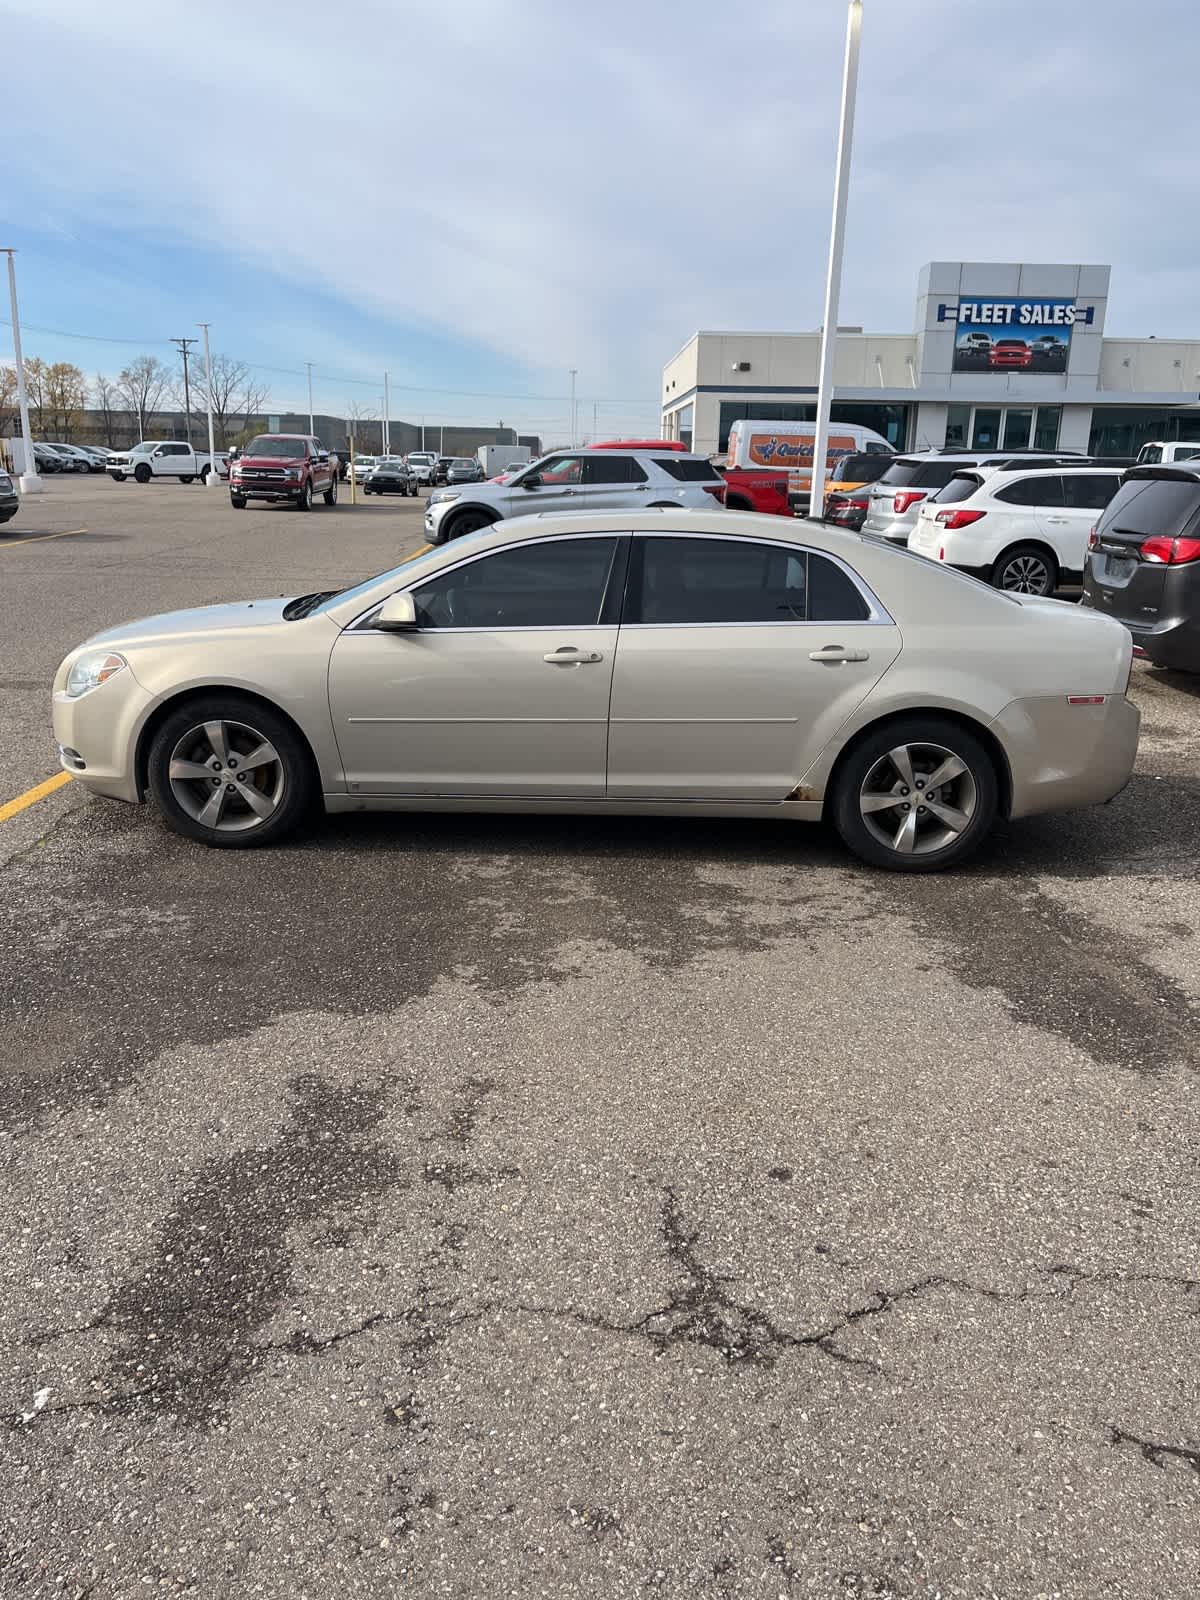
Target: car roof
(1187, 471)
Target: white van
(788, 445)
(1150, 455)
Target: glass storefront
(1003, 428)
(1121, 431)
(889, 420)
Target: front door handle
(568, 656)
(1064, 521)
(838, 652)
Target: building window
(1123, 430)
(1045, 433)
(985, 434)
(888, 420)
(1018, 424)
(958, 425)
(683, 422)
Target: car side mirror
(535, 482)
(397, 614)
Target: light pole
(573, 372)
(387, 417)
(209, 478)
(833, 281)
(311, 425)
(31, 483)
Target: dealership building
(1003, 356)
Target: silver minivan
(894, 501)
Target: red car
(1010, 353)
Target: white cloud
(584, 186)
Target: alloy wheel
(226, 776)
(1026, 575)
(918, 798)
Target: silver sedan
(682, 663)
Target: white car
(1024, 529)
(364, 466)
(423, 464)
(578, 480)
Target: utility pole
(311, 426)
(187, 393)
(573, 425)
(31, 483)
(387, 417)
(833, 282)
(209, 478)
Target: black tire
(141, 473)
(1026, 569)
(204, 472)
(238, 502)
(288, 782)
(187, 477)
(303, 501)
(468, 521)
(928, 739)
(330, 495)
(7, 516)
(117, 477)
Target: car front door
(501, 689)
(557, 486)
(322, 469)
(738, 660)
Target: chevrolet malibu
(679, 663)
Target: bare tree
(230, 380)
(255, 398)
(142, 384)
(108, 403)
(35, 393)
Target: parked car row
(50, 458)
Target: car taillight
(1171, 552)
(906, 498)
(717, 490)
(1093, 541)
(958, 519)
(857, 504)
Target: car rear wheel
(918, 795)
(204, 472)
(188, 477)
(117, 477)
(303, 501)
(1026, 569)
(238, 502)
(141, 473)
(330, 495)
(230, 773)
(467, 522)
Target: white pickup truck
(1150, 455)
(165, 458)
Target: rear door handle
(837, 652)
(1065, 521)
(568, 656)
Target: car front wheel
(917, 795)
(303, 501)
(238, 502)
(230, 773)
(466, 522)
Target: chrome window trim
(878, 616)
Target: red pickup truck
(284, 466)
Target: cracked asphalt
(550, 1207)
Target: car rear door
(612, 481)
(738, 660)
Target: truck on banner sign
(1010, 335)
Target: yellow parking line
(420, 552)
(32, 796)
(14, 544)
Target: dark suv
(1144, 562)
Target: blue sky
(480, 196)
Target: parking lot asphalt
(492, 1206)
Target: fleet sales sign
(1010, 335)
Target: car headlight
(441, 496)
(293, 473)
(93, 669)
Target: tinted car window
(1187, 453)
(603, 468)
(1152, 505)
(961, 487)
(1039, 489)
(862, 468)
(1090, 491)
(551, 584)
(935, 474)
(901, 473)
(718, 580)
(687, 471)
(558, 470)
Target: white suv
(578, 480)
(1024, 529)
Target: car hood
(271, 461)
(202, 619)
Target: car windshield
(280, 449)
(323, 600)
